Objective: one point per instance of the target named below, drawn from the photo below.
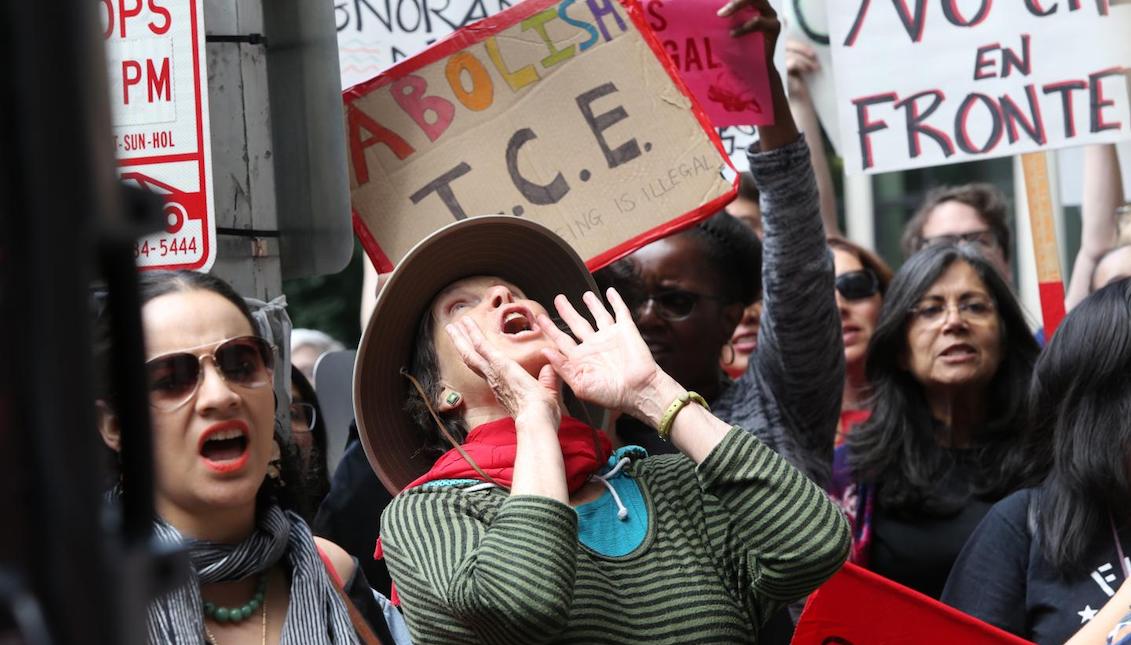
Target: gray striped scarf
(316, 614)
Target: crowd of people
(678, 448)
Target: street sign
(159, 103)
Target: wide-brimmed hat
(522, 252)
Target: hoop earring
(733, 354)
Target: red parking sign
(159, 99)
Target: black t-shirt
(917, 551)
(1002, 578)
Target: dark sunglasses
(245, 361)
(671, 304)
(857, 285)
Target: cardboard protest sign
(932, 82)
(858, 607)
(726, 75)
(561, 111)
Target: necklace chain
(263, 608)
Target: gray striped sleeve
(790, 395)
(788, 534)
(504, 578)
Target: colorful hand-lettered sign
(562, 111)
(930, 82)
(728, 76)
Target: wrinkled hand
(610, 366)
(766, 23)
(515, 389)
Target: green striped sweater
(728, 543)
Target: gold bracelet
(678, 404)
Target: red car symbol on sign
(178, 203)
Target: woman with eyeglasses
(688, 291)
(304, 454)
(948, 363)
(257, 575)
(862, 278)
(1050, 559)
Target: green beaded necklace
(238, 614)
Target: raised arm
(801, 60)
(1103, 193)
(790, 395)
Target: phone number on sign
(165, 247)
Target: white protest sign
(159, 103)
(807, 21)
(931, 82)
(374, 34)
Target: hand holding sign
(783, 131)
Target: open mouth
(745, 343)
(224, 446)
(516, 322)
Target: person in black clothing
(1047, 558)
(350, 514)
(688, 293)
(949, 362)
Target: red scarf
(493, 446)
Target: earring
(452, 398)
(733, 354)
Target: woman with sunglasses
(688, 291)
(948, 364)
(862, 278)
(257, 575)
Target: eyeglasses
(971, 310)
(304, 415)
(857, 285)
(984, 238)
(671, 304)
(245, 361)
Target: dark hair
(729, 246)
(735, 252)
(896, 448)
(153, 284)
(987, 199)
(870, 260)
(747, 187)
(307, 485)
(1079, 438)
(425, 367)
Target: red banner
(858, 607)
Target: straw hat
(518, 250)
